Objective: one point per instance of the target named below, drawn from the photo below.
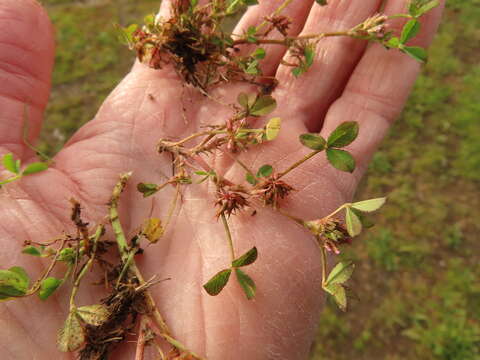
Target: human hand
(348, 82)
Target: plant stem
(229, 235)
(337, 211)
(114, 217)
(287, 41)
(291, 217)
(191, 137)
(324, 262)
(140, 350)
(26, 126)
(203, 164)
(298, 163)
(275, 13)
(126, 266)
(9, 180)
(160, 187)
(123, 248)
(76, 285)
(38, 283)
(241, 163)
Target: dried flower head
(280, 23)
(272, 190)
(230, 201)
(330, 232)
(373, 28)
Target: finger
(296, 12)
(335, 59)
(378, 89)
(26, 60)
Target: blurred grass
(418, 269)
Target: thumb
(26, 61)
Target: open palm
(348, 82)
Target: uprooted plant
(195, 43)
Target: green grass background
(416, 285)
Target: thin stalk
(287, 41)
(193, 136)
(291, 217)
(198, 148)
(27, 142)
(86, 267)
(229, 235)
(140, 349)
(123, 248)
(9, 180)
(324, 263)
(232, 6)
(115, 219)
(298, 163)
(241, 163)
(203, 164)
(338, 210)
(126, 267)
(181, 347)
(47, 272)
(275, 13)
(322, 35)
(159, 350)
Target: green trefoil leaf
(343, 135)
(416, 52)
(147, 189)
(35, 168)
(273, 128)
(369, 205)
(247, 284)
(339, 294)
(263, 105)
(48, 287)
(10, 164)
(14, 282)
(354, 225)
(31, 250)
(341, 160)
(216, 284)
(410, 30)
(265, 171)
(246, 259)
(313, 141)
(340, 273)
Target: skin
(348, 82)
